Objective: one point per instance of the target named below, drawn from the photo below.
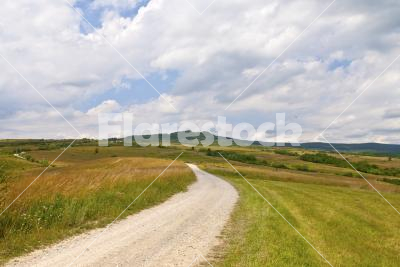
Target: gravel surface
(174, 233)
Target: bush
(285, 152)
(362, 166)
(44, 162)
(43, 147)
(29, 157)
(325, 159)
(245, 158)
(303, 168)
(390, 181)
(348, 174)
(279, 165)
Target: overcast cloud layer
(201, 63)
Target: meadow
(343, 217)
(77, 194)
(329, 203)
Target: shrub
(285, 152)
(44, 162)
(279, 165)
(245, 158)
(29, 157)
(325, 159)
(390, 181)
(303, 168)
(348, 174)
(362, 166)
(43, 147)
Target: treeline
(251, 159)
(285, 152)
(322, 158)
(43, 162)
(362, 166)
(18, 146)
(245, 158)
(390, 181)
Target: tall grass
(67, 201)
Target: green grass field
(330, 204)
(350, 227)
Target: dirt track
(171, 234)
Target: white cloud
(216, 56)
(108, 106)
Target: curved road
(173, 233)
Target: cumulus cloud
(215, 55)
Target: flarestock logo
(192, 134)
(200, 6)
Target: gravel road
(173, 233)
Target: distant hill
(371, 148)
(174, 137)
(364, 148)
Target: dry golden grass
(90, 176)
(81, 195)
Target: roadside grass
(71, 199)
(350, 227)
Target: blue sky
(94, 15)
(339, 63)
